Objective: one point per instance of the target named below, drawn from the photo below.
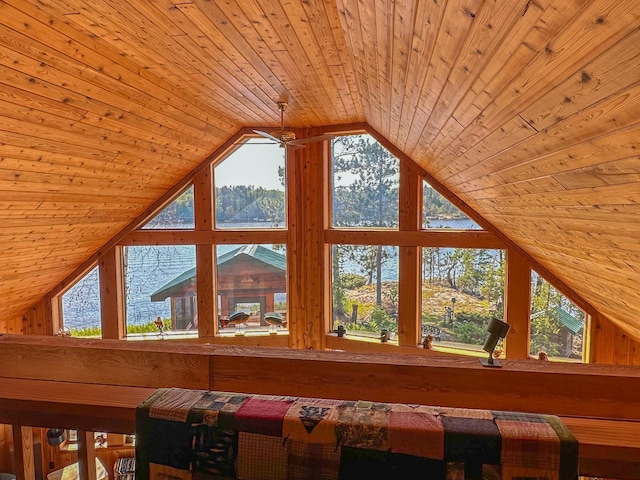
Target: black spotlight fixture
(55, 436)
(497, 329)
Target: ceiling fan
(287, 138)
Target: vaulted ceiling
(528, 110)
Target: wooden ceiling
(528, 110)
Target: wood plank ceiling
(529, 110)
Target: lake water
(150, 268)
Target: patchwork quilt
(193, 434)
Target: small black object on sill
(497, 329)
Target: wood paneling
(526, 111)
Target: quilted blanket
(193, 434)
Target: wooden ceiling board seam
(212, 67)
(378, 47)
(457, 22)
(619, 144)
(118, 8)
(254, 22)
(336, 58)
(420, 58)
(495, 66)
(542, 21)
(247, 61)
(621, 195)
(291, 93)
(304, 68)
(349, 14)
(614, 70)
(563, 55)
(8, 164)
(251, 100)
(403, 14)
(511, 133)
(307, 35)
(18, 96)
(68, 81)
(109, 75)
(89, 126)
(172, 68)
(616, 111)
(589, 268)
(36, 88)
(111, 143)
(493, 23)
(614, 172)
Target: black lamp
(497, 329)
(55, 436)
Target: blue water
(149, 268)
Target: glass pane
(365, 178)
(557, 325)
(252, 288)
(462, 289)
(438, 212)
(250, 187)
(364, 290)
(177, 215)
(160, 286)
(81, 307)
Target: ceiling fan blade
(294, 146)
(267, 135)
(317, 138)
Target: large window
(252, 285)
(365, 180)
(557, 325)
(462, 289)
(160, 288)
(250, 187)
(81, 307)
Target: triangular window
(438, 212)
(177, 215)
(81, 307)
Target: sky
(251, 164)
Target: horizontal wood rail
(96, 385)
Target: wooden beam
(112, 297)
(109, 362)
(23, 452)
(431, 238)
(608, 391)
(306, 252)
(409, 284)
(187, 237)
(86, 456)
(517, 305)
(205, 255)
(607, 447)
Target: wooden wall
(611, 345)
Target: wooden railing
(96, 385)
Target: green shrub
(351, 281)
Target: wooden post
(306, 253)
(25, 467)
(112, 299)
(517, 305)
(86, 456)
(53, 314)
(409, 287)
(205, 255)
